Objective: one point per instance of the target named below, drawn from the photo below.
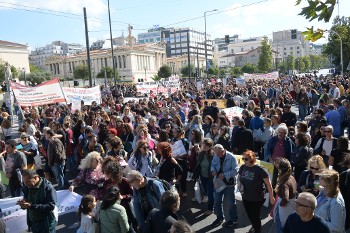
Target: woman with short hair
(169, 169)
(338, 155)
(252, 180)
(308, 181)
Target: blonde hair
(331, 178)
(87, 161)
(316, 159)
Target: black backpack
(165, 184)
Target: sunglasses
(145, 147)
(314, 168)
(245, 159)
(23, 137)
(299, 204)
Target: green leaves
(317, 9)
(164, 71)
(312, 35)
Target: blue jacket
(332, 210)
(288, 147)
(343, 113)
(229, 166)
(153, 199)
(333, 119)
(256, 123)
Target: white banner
(234, 111)
(164, 86)
(240, 82)
(16, 219)
(88, 95)
(178, 149)
(49, 92)
(268, 76)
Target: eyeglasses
(23, 137)
(245, 159)
(299, 204)
(145, 147)
(314, 168)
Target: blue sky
(22, 21)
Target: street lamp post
(205, 40)
(145, 68)
(24, 74)
(93, 75)
(341, 51)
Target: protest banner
(268, 76)
(220, 103)
(76, 104)
(16, 219)
(158, 87)
(178, 149)
(240, 82)
(49, 92)
(234, 111)
(199, 85)
(88, 95)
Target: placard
(178, 149)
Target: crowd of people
(137, 158)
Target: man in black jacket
(160, 220)
(288, 117)
(244, 139)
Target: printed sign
(88, 95)
(240, 82)
(220, 103)
(268, 76)
(178, 148)
(234, 111)
(49, 92)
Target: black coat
(244, 140)
(159, 221)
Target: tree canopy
(265, 57)
(164, 71)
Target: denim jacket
(332, 210)
(229, 166)
(153, 199)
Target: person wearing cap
(224, 166)
(304, 220)
(29, 150)
(288, 117)
(15, 162)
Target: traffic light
(227, 39)
(293, 33)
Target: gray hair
(219, 147)
(282, 127)
(29, 173)
(153, 118)
(309, 198)
(132, 175)
(169, 198)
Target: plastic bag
(219, 184)
(197, 192)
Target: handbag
(197, 192)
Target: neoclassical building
(136, 63)
(15, 54)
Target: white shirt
(86, 224)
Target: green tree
(2, 72)
(184, 70)
(81, 72)
(14, 72)
(34, 69)
(109, 72)
(265, 57)
(290, 62)
(35, 78)
(321, 10)
(306, 61)
(249, 68)
(213, 71)
(332, 48)
(236, 71)
(164, 71)
(156, 78)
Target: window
(297, 52)
(241, 49)
(291, 48)
(284, 48)
(120, 61)
(297, 47)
